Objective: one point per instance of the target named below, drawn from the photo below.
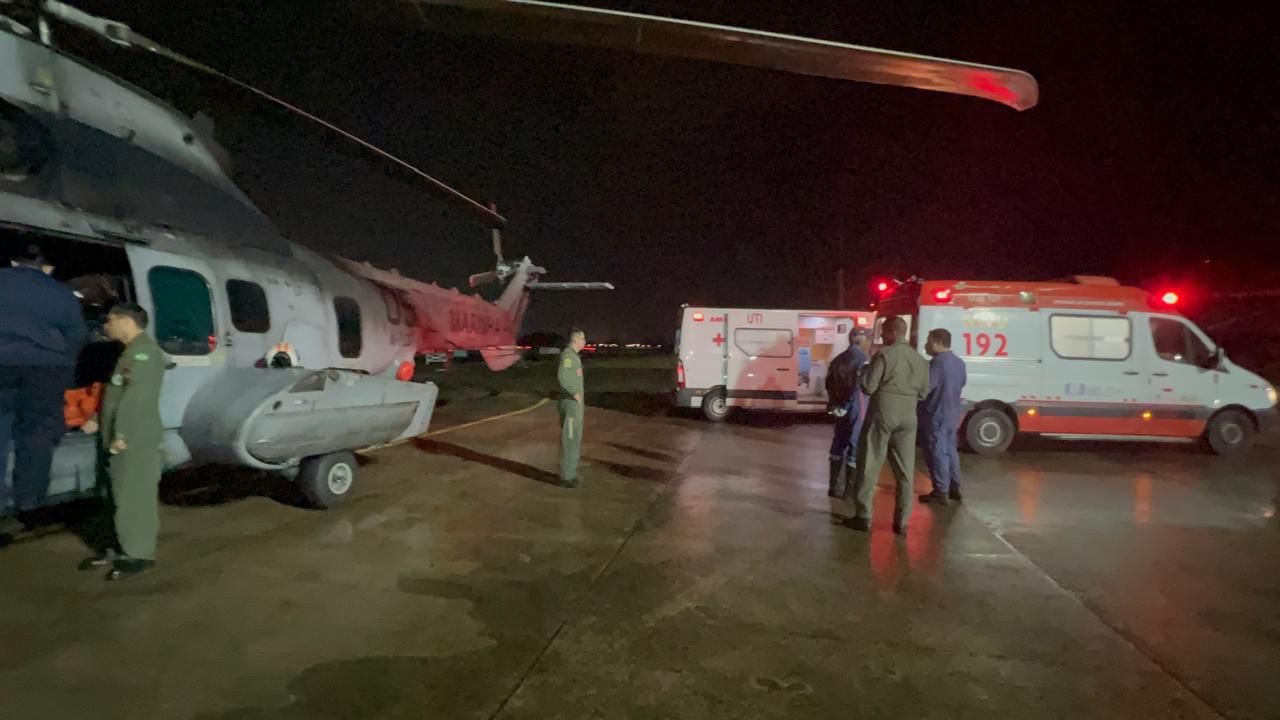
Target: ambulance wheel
(715, 405)
(1229, 432)
(326, 480)
(988, 432)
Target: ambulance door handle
(1132, 372)
(1160, 374)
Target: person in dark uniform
(571, 404)
(846, 401)
(943, 410)
(129, 437)
(41, 333)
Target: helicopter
(279, 358)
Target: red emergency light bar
(943, 295)
(698, 317)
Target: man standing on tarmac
(846, 401)
(130, 433)
(942, 413)
(41, 334)
(571, 404)
(895, 380)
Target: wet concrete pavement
(699, 573)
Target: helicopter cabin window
(248, 303)
(349, 339)
(184, 311)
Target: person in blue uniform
(942, 413)
(41, 333)
(846, 401)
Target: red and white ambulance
(1084, 358)
(760, 359)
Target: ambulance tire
(326, 480)
(715, 405)
(988, 431)
(1229, 432)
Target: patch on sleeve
(568, 362)
(141, 356)
(117, 379)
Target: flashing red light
(1170, 298)
(943, 295)
(882, 287)
(698, 317)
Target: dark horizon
(684, 181)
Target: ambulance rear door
(762, 364)
(702, 352)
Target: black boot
(838, 482)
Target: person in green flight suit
(896, 381)
(129, 437)
(571, 403)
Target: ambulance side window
(1175, 342)
(764, 342)
(1089, 337)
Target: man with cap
(41, 334)
(847, 403)
(895, 381)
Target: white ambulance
(1084, 358)
(760, 359)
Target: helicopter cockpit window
(349, 340)
(248, 304)
(184, 311)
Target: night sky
(1154, 148)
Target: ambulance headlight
(1271, 394)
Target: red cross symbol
(718, 339)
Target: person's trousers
(570, 438)
(844, 443)
(942, 456)
(32, 421)
(133, 500)
(890, 434)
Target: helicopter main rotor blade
(121, 34)
(576, 25)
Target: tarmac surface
(699, 573)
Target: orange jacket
(81, 404)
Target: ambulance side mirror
(1214, 361)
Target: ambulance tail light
(942, 296)
(680, 380)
